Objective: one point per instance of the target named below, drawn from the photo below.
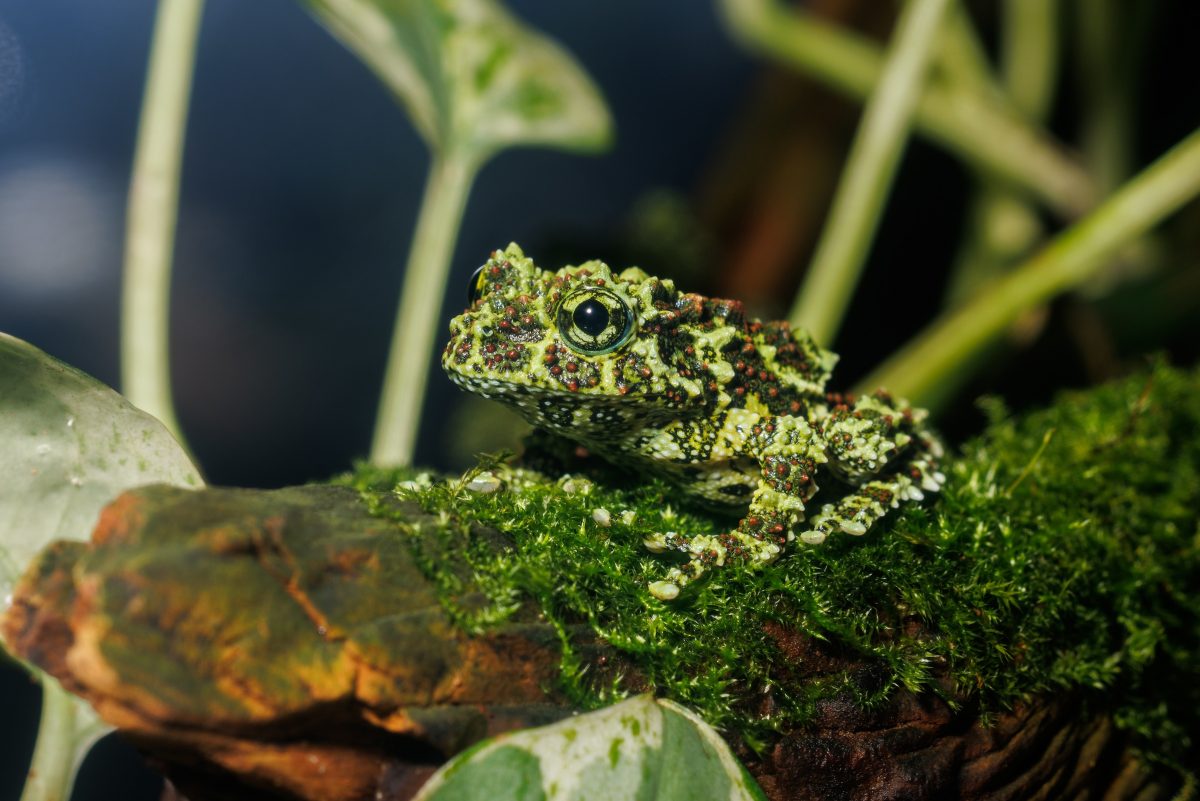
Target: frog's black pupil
(590, 317)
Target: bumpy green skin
(732, 410)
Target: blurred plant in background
(474, 81)
(1048, 214)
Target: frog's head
(578, 350)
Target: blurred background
(302, 180)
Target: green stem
(986, 136)
(1105, 50)
(1112, 39)
(940, 353)
(870, 170)
(1002, 226)
(962, 58)
(153, 209)
(1029, 54)
(66, 732)
(421, 296)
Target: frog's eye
(476, 284)
(593, 321)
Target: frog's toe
(848, 520)
(664, 590)
(823, 524)
(657, 542)
(669, 587)
(661, 542)
(931, 479)
(852, 527)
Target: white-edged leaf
(651, 750)
(70, 445)
(473, 78)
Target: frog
(733, 411)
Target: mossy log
(1033, 634)
(260, 643)
(274, 640)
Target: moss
(1064, 553)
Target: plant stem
(962, 58)
(1029, 54)
(870, 170)
(153, 209)
(940, 353)
(988, 137)
(1002, 226)
(1000, 229)
(421, 296)
(1108, 61)
(66, 731)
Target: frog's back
(775, 368)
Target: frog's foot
(857, 512)
(505, 476)
(757, 541)
(703, 552)
(667, 589)
(861, 439)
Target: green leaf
(473, 78)
(643, 748)
(70, 445)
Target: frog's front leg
(787, 452)
(881, 445)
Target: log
(262, 644)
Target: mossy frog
(732, 410)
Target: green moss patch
(1063, 553)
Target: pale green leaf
(473, 78)
(70, 445)
(644, 749)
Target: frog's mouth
(583, 416)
